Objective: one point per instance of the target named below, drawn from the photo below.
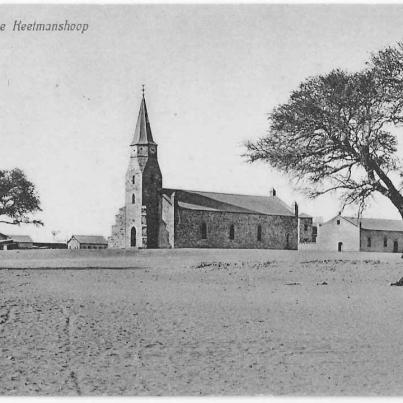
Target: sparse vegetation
(18, 198)
(335, 133)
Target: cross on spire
(142, 89)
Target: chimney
(273, 192)
(295, 208)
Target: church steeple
(142, 134)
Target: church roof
(142, 134)
(377, 224)
(236, 203)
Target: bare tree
(335, 133)
(18, 198)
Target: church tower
(143, 187)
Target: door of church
(395, 246)
(133, 237)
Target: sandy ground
(203, 322)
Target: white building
(87, 242)
(360, 234)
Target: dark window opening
(395, 246)
(385, 242)
(314, 233)
(133, 199)
(204, 230)
(133, 237)
(369, 242)
(232, 232)
(133, 179)
(259, 232)
(340, 246)
(305, 227)
(338, 222)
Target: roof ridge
(224, 193)
(370, 218)
(86, 235)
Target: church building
(157, 217)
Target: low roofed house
(87, 242)
(50, 245)
(9, 242)
(343, 233)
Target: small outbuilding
(87, 242)
(8, 242)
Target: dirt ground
(200, 322)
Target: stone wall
(167, 222)
(275, 230)
(117, 239)
(151, 188)
(305, 229)
(377, 241)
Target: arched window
(232, 232)
(133, 198)
(133, 179)
(203, 230)
(133, 237)
(259, 232)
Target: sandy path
(236, 328)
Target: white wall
(73, 244)
(331, 233)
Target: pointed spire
(142, 134)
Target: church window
(369, 242)
(133, 198)
(385, 242)
(203, 230)
(133, 179)
(232, 232)
(259, 232)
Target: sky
(69, 101)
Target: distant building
(50, 245)
(365, 234)
(9, 242)
(157, 217)
(87, 242)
